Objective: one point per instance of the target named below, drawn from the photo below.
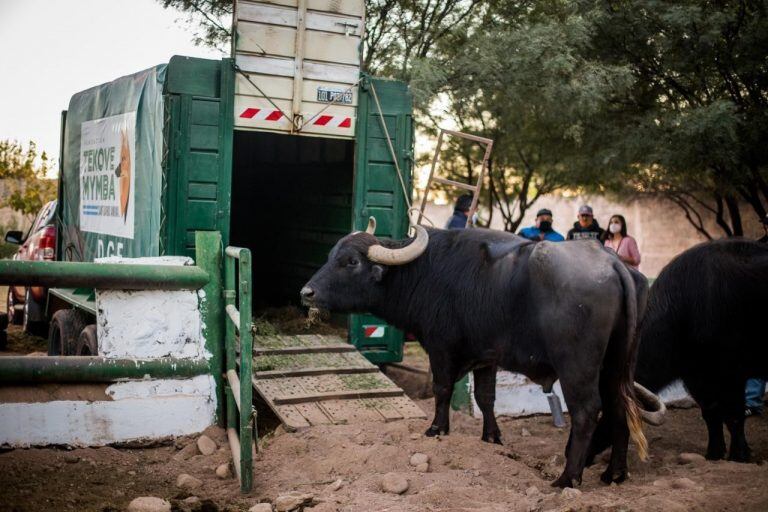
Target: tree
(523, 78)
(24, 174)
(693, 128)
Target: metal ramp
(320, 380)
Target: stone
(423, 467)
(71, 458)
(394, 483)
(149, 504)
(191, 501)
(415, 436)
(188, 482)
(261, 507)
(532, 491)
(292, 501)
(335, 486)
(419, 458)
(525, 432)
(206, 445)
(223, 471)
(570, 493)
(132, 473)
(684, 483)
(690, 458)
(187, 452)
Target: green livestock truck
(282, 148)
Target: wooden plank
(340, 370)
(338, 395)
(387, 411)
(351, 411)
(407, 408)
(313, 414)
(290, 417)
(257, 351)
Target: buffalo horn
(654, 417)
(383, 255)
(371, 229)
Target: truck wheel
(30, 314)
(14, 315)
(87, 345)
(65, 329)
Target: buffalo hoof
(434, 430)
(609, 475)
(715, 454)
(492, 438)
(743, 455)
(563, 482)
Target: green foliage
(210, 19)
(24, 178)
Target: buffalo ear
(378, 272)
(497, 250)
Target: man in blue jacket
(460, 213)
(542, 230)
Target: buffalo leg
(485, 395)
(444, 376)
(583, 399)
(704, 393)
(732, 407)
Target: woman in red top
(621, 243)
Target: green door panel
(378, 193)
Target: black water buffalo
(705, 324)
(480, 300)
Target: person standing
(755, 389)
(621, 243)
(460, 213)
(586, 227)
(542, 229)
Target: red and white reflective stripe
(374, 331)
(261, 114)
(333, 121)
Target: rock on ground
(261, 507)
(394, 483)
(690, 458)
(291, 501)
(149, 504)
(187, 482)
(570, 493)
(187, 452)
(223, 471)
(419, 458)
(206, 445)
(423, 468)
(525, 432)
(335, 486)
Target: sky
(51, 49)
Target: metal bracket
(228, 294)
(347, 25)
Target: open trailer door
(379, 193)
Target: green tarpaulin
(112, 169)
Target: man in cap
(586, 227)
(460, 212)
(542, 229)
(755, 389)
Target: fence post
(208, 256)
(246, 364)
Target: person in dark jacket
(586, 228)
(460, 213)
(542, 230)
(764, 239)
(755, 389)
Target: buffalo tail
(626, 389)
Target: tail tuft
(635, 423)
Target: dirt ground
(464, 473)
(343, 467)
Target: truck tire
(30, 315)
(14, 315)
(65, 329)
(87, 344)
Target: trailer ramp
(317, 379)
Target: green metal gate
(241, 415)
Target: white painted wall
(136, 325)
(140, 410)
(517, 395)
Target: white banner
(107, 175)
